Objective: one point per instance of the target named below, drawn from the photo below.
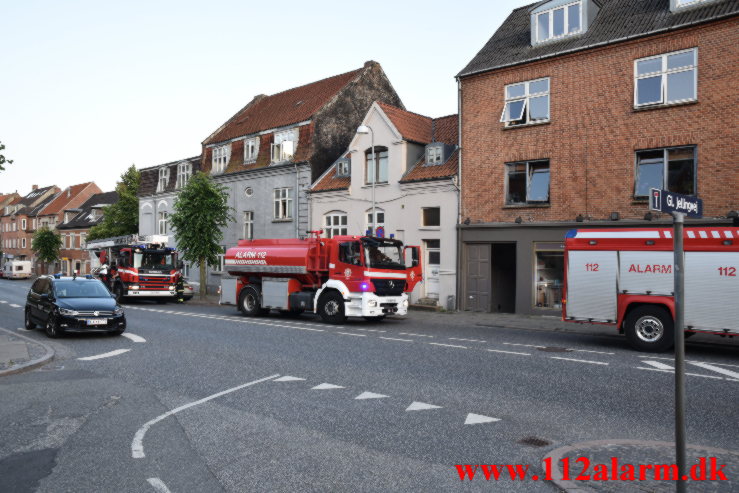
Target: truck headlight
(405, 303)
(134, 287)
(64, 311)
(171, 288)
(372, 303)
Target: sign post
(679, 206)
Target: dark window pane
(516, 184)
(381, 218)
(433, 243)
(558, 20)
(650, 169)
(343, 220)
(649, 90)
(514, 110)
(539, 183)
(432, 216)
(681, 171)
(435, 258)
(681, 86)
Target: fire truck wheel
(650, 328)
(250, 303)
(331, 308)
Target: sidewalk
(20, 353)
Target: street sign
(380, 233)
(664, 201)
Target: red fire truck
(137, 266)
(339, 277)
(624, 277)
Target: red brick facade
(594, 130)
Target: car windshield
(153, 260)
(80, 289)
(383, 254)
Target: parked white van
(17, 269)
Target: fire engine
(137, 266)
(339, 277)
(624, 277)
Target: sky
(88, 88)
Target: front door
(477, 282)
(433, 261)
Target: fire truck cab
(624, 277)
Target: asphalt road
(207, 400)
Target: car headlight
(372, 303)
(134, 287)
(64, 311)
(405, 303)
(118, 310)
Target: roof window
(558, 19)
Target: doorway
(503, 278)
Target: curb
(29, 365)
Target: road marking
(508, 352)
(396, 339)
(659, 365)
(688, 360)
(447, 345)
(473, 419)
(421, 406)
(13, 305)
(133, 337)
(412, 334)
(288, 378)
(370, 395)
(580, 360)
(524, 345)
(137, 445)
(372, 330)
(327, 386)
(158, 485)
(350, 334)
(465, 340)
(723, 371)
(104, 355)
(589, 351)
(690, 374)
(3, 301)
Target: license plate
(97, 321)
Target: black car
(73, 304)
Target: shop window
(549, 275)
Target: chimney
(69, 192)
(34, 187)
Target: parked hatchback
(73, 304)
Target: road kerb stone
(32, 364)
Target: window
(349, 253)
(549, 270)
(343, 167)
(686, 3)
(221, 156)
(23, 224)
(377, 174)
(335, 224)
(433, 248)
(15, 226)
(248, 231)
(527, 182)
(431, 216)
(672, 169)
(222, 259)
(526, 102)
(283, 203)
(380, 220)
(23, 243)
(184, 170)
(163, 223)
(71, 240)
(666, 79)
(83, 240)
(284, 145)
(434, 155)
(251, 149)
(559, 22)
(163, 180)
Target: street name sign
(664, 201)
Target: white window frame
(343, 168)
(525, 118)
(220, 158)
(163, 179)
(248, 225)
(23, 243)
(283, 202)
(251, 149)
(379, 224)
(23, 224)
(184, 170)
(434, 155)
(284, 146)
(686, 3)
(162, 222)
(336, 223)
(663, 73)
(550, 18)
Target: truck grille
(388, 287)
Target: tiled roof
(617, 20)
(150, 176)
(330, 182)
(32, 197)
(63, 198)
(282, 109)
(446, 130)
(412, 126)
(84, 218)
(34, 211)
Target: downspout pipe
(459, 196)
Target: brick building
(570, 113)
(19, 221)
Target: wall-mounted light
(467, 221)
(519, 220)
(615, 216)
(648, 216)
(579, 218)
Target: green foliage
(121, 218)
(46, 244)
(2, 158)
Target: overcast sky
(88, 87)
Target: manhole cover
(534, 442)
(554, 349)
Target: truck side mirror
(411, 256)
(180, 265)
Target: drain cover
(554, 349)
(534, 442)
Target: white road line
(327, 386)
(415, 335)
(447, 345)
(372, 330)
(396, 339)
(507, 352)
(137, 445)
(13, 305)
(421, 406)
(723, 371)
(104, 355)
(3, 301)
(370, 395)
(580, 360)
(589, 351)
(659, 365)
(350, 334)
(473, 419)
(688, 360)
(133, 337)
(465, 340)
(158, 485)
(524, 345)
(690, 374)
(288, 378)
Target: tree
(121, 218)
(200, 212)
(46, 244)
(2, 158)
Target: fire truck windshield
(383, 254)
(153, 260)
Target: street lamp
(364, 130)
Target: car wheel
(52, 327)
(650, 328)
(118, 293)
(250, 303)
(377, 318)
(29, 324)
(331, 308)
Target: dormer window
(251, 149)
(434, 155)
(285, 145)
(678, 4)
(184, 170)
(163, 179)
(221, 155)
(563, 19)
(343, 167)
